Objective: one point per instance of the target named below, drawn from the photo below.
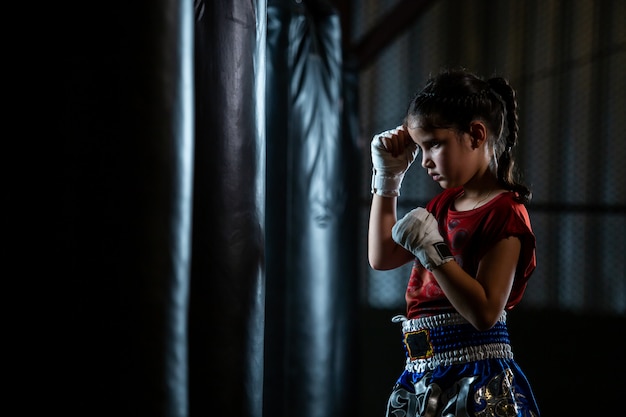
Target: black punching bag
(310, 270)
(124, 115)
(227, 288)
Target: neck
(480, 200)
(477, 193)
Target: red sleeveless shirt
(469, 235)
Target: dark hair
(455, 98)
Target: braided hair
(455, 98)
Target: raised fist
(393, 152)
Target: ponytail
(507, 174)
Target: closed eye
(430, 144)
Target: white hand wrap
(418, 232)
(388, 170)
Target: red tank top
(469, 235)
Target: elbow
(374, 260)
(483, 326)
(484, 322)
(378, 263)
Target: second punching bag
(308, 282)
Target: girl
(472, 246)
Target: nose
(426, 160)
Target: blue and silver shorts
(452, 369)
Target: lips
(435, 177)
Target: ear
(478, 133)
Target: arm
(481, 301)
(382, 251)
(393, 152)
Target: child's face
(447, 155)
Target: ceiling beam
(362, 52)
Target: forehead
(415, 125)
(414, 122)
(420, 134)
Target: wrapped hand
(418, 232)
(393, 152)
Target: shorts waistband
(448, 339)
(438, 320)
